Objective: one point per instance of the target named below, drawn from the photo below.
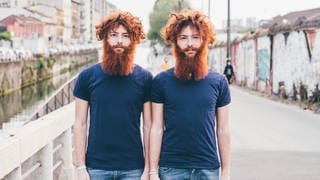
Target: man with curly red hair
(188, 104)
(116, 91)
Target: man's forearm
(146, 133)
(155, 148)
(224, 144)
(146, 138)
(155, 137)
(80, 141)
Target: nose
(120, 40)
(189, 42)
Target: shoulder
(215, 76)
(165, 74)
(142, 75)
(140, 71)
(90, 74)
(217, 80)
(89, 70)
(163, 77)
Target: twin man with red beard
(185, 109)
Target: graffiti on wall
(291, 63)
(250, 63)
(310, 38)
(263, 65)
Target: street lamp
(180, 3)
(228, 34)
(209, 9)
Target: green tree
(160, 14)
(5, 36)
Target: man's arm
(146, 135)
(155, 139)
(80, 137)
(224, 141)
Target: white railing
(39, 150)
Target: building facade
(75, 19)
(91, 13)
(27, 32)
(65, 21)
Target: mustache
(190, 49)
(119, 46)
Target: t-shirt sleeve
(157, 94)
(81, 89)
(224, 93)
(147, 87)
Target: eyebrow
(115, 32)
(183, 35)
(118, 33)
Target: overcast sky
(261, 9)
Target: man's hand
(154, 177)
(225, 176)
(145, 175)
(82, 174)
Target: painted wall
(234, 59)
(216, 59)
(263, 63)
(295, 60)
(292, 64)
(245, 63)
(250, 62)
(314, 75)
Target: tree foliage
(160, 15)
(5, 36)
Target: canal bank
(15, 75)
(27, 93)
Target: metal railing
(61, 98)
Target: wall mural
(263, 65)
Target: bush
(5, 36)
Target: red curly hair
(187, 68)
(112, 63)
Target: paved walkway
(273, 141)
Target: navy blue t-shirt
(116, 103)
(189, 107)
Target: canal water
(19, 105)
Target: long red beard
(118, 64)
(190, 68)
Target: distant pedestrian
(155, 51)
(165, 66)
(228, 71)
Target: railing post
(55, 102)
(47, 108)
(14, 175)
(62, 96)
(45, 155)
(69, 89)
(67, 171)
